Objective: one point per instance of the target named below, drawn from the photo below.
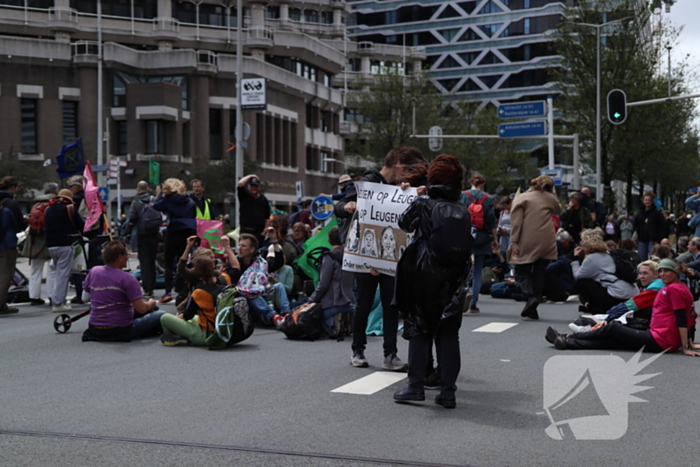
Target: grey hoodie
(335, 285)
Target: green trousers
(189, 329)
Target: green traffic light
(617, 115)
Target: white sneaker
(577, 328)
(61, 308)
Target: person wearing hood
(429, 293)
(147, 239)
(334, 290)
(399, 164)
(11, 222)
(180, 210)
(649, 225)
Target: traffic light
(617, 106)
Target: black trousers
(446, 339)
(558, 281)
(597, 296)
(614, 336)
(366, 289)
(530, 278)
(148, 247)
(175, 243)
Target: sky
(687, 13)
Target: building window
(147, 9)
(310, 16)
(121, 138)
(295, 14)
(215, 143)
(155, 137)
(29, 126)
(526, 26)
(323, 161)
(70, 122)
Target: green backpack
(233, 322)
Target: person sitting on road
(302, 232)
(253, 283)
(640, 305)
(598, 287)
(334, 290)
(197, 321)
(671, 317)
(117, 311)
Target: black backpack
(303, 323)
(150, 220)
(625, 265)
(451, 240)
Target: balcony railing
(63, 14)
(85, 48)
(165, 23)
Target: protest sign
(210, 233)
(375, 239)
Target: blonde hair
(592, 241)
(174, 186)
(652, 265)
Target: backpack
(476, 210)
(150, 219)
(3, 224)
(625, 265)
(303, 323)
(233, 322)
(294, 218)
(36, 217)
(450, 239)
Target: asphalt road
(268, 401)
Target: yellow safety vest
(206, 215)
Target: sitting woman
(118, 311)
(671, 317)
(301, 232)
(640, 305)
(598, 287)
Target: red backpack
(476, 210)
(36, 217)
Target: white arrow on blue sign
(519, 130)
(522, 110)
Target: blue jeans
(147, 324)
(477, 267)
(329, 313)
(259, 305)
(644, 248)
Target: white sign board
(375, 239)
(299, 186)
(253, 95)
(435, 144)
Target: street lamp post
(598, 158)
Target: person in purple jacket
(180, 210)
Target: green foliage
(29, 176)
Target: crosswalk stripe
(372, 383)
(495, 327)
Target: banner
(70, 159)
(375, 239)
(210, 233)
(154, 172)
(310, 261)
(92, 198)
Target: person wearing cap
(671, 317)
(254, 207)
(576, 217)
(11, 222)
(346, 184)
(61, 223)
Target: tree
(652, 146)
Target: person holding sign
(399, 165)
(431, 280)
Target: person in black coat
(430, 295)
(649, 224)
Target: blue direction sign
(522, 110)
(519, 130)
(322, 207)
(104, 193)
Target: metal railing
(62, 13)
(259, 32)
(206, 57)
(164, 23)
(85, 48)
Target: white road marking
(495, 327)
(372, 383)
(505, 360)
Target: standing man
(11, 222)
(147, 221)
(576, 217)
(649, 224)
(203, 204)
(254, 207)
(35, 245)
(61, 222)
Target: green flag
(310, 261)
(154, 172)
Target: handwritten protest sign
(375, 239)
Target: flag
(92, 198)
(210, 233)
(310, 261)
(154, 172)
(70, 159)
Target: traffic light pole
(662, 100)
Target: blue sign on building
(522, 110)
(519, 130)
(322, 207)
